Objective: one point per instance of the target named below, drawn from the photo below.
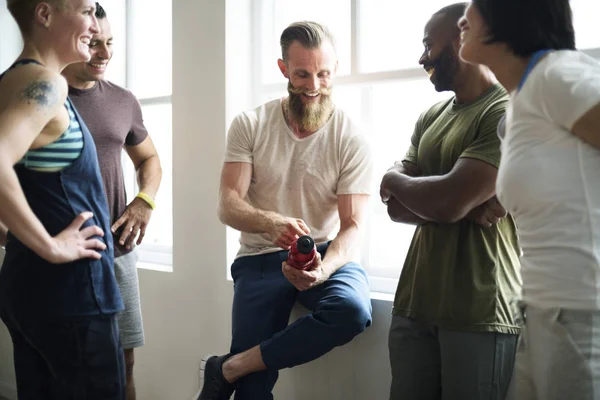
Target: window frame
(150, 256)
(388, 282)
(381, 284)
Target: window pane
(278, 14)
(585, 20)
(350, 99)
(116, 13)
(388, 113)
(391, 33)
(266, 97)
(158, 121)
(150, 48)
(11, 44)
(395, 110)
(232, 245)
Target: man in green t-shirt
(453, 333)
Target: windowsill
(383, 297)
(154, 267)
(377, 296)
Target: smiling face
(310, 73)
(101, 52)
(440, 57)
(72, 26)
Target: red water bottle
(303, 253)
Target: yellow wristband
(147, 199)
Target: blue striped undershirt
(59, 154)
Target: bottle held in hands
(302, 253)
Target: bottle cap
(305, 244)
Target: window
(116, 13)
(277, 14)
(149, 71)
(585, 20)
(380, 84)
(11, 44)
(143, 63)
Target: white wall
(187, 312)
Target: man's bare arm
(352, 209)
(147, 166)
(234, 210)
(136, 217)
(396, 210)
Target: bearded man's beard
(312, 116)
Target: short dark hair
(527, 26)
(100, 12)
(453, 13)
(310, 35)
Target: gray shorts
(130, 320)
(558, 356)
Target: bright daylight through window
(137, 34)
(380, 84)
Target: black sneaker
(215, 385)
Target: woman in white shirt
(549, 179)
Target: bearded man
(294, 166)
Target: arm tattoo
(41, 92)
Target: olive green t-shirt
(461, 276)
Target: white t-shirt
(549, 180)
(299, 178)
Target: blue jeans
(262, 303)
(67, 359)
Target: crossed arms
(468, 190)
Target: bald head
(446, 19)
(441, 43)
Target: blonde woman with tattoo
(58, 294)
